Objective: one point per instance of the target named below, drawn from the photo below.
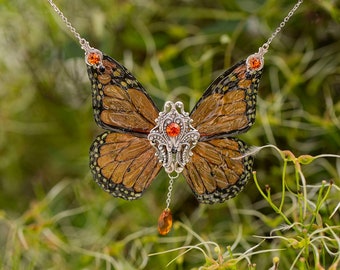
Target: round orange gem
(165, 222)
(93, 58)
(173, 129)
(255, 63)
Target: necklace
(140, 140)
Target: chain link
(82, 41)
(264, 48)
(171, 183)
(86, 46)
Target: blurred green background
(175, 49)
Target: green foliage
(53, 216)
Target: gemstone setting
(173, 137)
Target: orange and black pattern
(122, 160)
(119, 101)
(122, 164)
(217, 171)
(228, 106)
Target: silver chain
(82, 41)
(171, 183)
(264, 48)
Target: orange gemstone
(93, 58)
(165, 222)
(173, 129)
(255, 63)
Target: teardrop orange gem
(165, 222)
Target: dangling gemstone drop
(165, 222)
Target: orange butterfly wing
(218, 169)
(122, 164)
(122, 161)
(228, 106)
(119, 101)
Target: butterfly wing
(122, 161)
(228, 105)
(122, 164)
(218, 169)
(120, 102)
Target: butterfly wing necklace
(139, 139)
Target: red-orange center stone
(173, 129)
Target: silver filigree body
(173, 151)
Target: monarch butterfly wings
(122, 160)
(228, 105)
(119, 101)
(122, 164)
(219, 168)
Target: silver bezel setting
(173, 152)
